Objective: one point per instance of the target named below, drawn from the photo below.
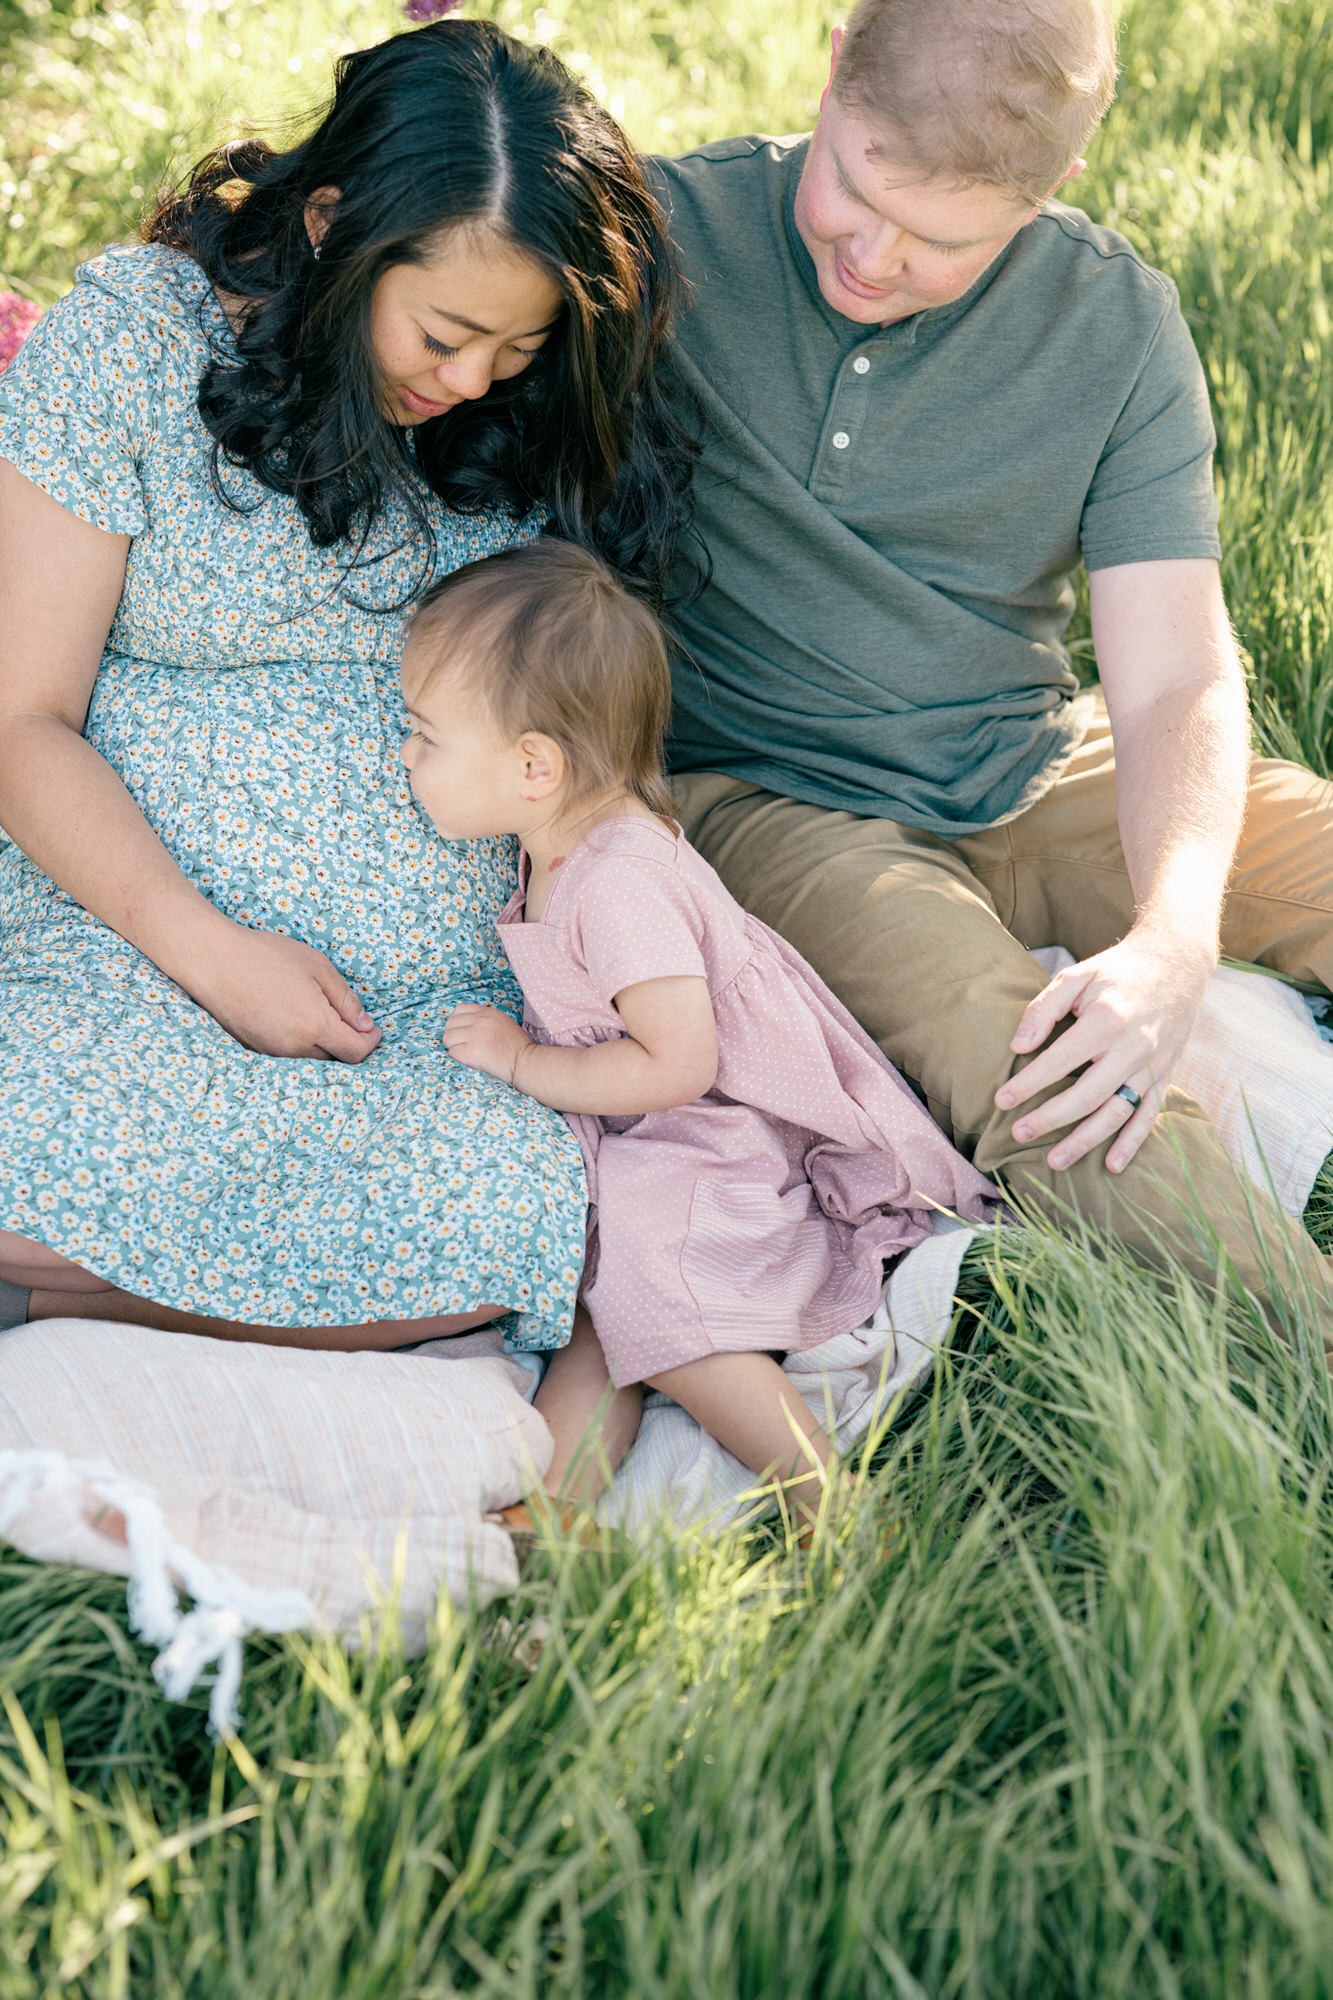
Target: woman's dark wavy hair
(455, 124)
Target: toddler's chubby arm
(667, 1056)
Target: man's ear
(320, 208)
(835, 43)
(542, 766)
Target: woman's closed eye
(447, 353)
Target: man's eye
(438, 346)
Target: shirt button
(840, 440)
(861, 365)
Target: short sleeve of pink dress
(762, 1216)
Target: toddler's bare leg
(575, 1389)
(746, 1403)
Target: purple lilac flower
(430, 10)
(18, 317)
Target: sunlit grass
(1068, 1731)
(1070, 1736)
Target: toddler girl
(753, 1160)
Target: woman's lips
(421, 406)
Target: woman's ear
(319, 212)
(541, 766)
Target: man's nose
(880, 257)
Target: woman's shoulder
(145, 292)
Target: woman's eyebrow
(473, 326)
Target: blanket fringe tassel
(225, 1610)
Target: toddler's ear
(541, 765)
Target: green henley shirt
(893, 514)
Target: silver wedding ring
(1130, 1095)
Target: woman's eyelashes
(434, 346)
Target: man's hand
(1134, 1006)
(484, 1038)
(1175, 694)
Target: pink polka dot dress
(762, 1215)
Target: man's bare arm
(1175, 694)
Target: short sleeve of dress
(74, 409)
(635, 919)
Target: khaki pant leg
(893, 920)
(1279, 907)
(912, 940)
(1057, 874)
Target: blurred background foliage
(1215, 162)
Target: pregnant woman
(229, 939)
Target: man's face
(885, 243)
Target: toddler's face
(465, 775)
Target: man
(929, 389)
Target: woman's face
(476, 311)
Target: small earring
(315, 249)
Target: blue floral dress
(248, 697)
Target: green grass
(1073, 1734)
(1070, 1737)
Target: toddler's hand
(484, 1038)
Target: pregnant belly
(279, 791)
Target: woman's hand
(484, 1038)
(1134, 1007)
(279, 997)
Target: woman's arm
(61, 802)
(668, 1055)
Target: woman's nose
(466, 375)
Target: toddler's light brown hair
(548, 639)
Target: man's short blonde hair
(1003, 92)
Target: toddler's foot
(530, 1522)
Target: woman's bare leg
(746, 1403)
(60, 1290)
